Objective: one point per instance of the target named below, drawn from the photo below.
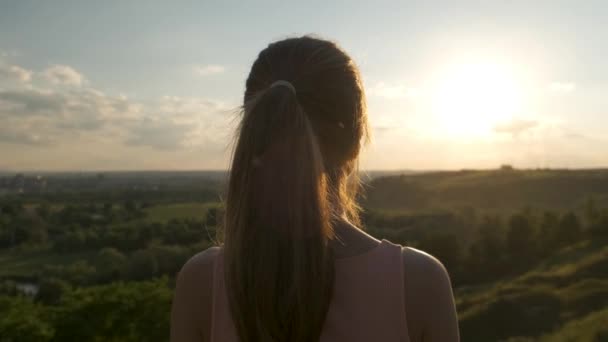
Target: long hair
(292, 176)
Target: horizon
(135, 87)
(396, 171)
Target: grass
(16, 263)
(591, 328)
(554, 296)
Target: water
(28, 289)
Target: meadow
(96, 259)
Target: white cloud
(45, 115)
(205, 70)
(14, 72)
(394, 91)
(562, 87)
(63, 74)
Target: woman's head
(292, 175)
(329, 90)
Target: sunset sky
(129, 85)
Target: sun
(471, 99)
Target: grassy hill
(504, 189)
(563, 299)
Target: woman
(294, 266)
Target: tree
(43, 210)
(548, 226)
(107, 208)
(444, 247)
(591, 211)
(50, 290)
(111, 263)
(568, 231)
(23, 320)
(486, 254)
(520, 242)
(12, 208)
(77, 273)
(491, 239)
(135, 311)
(599, 228)
(130, 206)
(143, 265)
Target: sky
(156, 85)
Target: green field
(17, 263)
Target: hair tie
(284, 84)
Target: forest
(94, 257)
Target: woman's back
(367, 302)
(386, 293)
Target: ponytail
(279, 269)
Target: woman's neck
(350, 240)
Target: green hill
(564, 298)
(504, 189)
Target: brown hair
(293, 174)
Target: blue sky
(120, 85)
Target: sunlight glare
(471, 99)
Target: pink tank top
(367, 303)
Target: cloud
(22, 132)
(63, 74)
(14, 72)
(161, 133)
(46, 124)
(395, 91)
(28, 101)
(44, 115)
(516, 126)
(47, 117)
(181, 122)
(562, 87)
(205, 70)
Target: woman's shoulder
(191, 312)
(203, 258)
(428, 296)
(424, 275)
(200, 266)
(423, 265)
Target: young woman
(294, 265)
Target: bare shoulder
(202, 262)
(425, 278)
(423, 267)
(429, 300)
(191, 309)
(195, 277)
(197, 273)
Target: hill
(566, 295)
(497, 190)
